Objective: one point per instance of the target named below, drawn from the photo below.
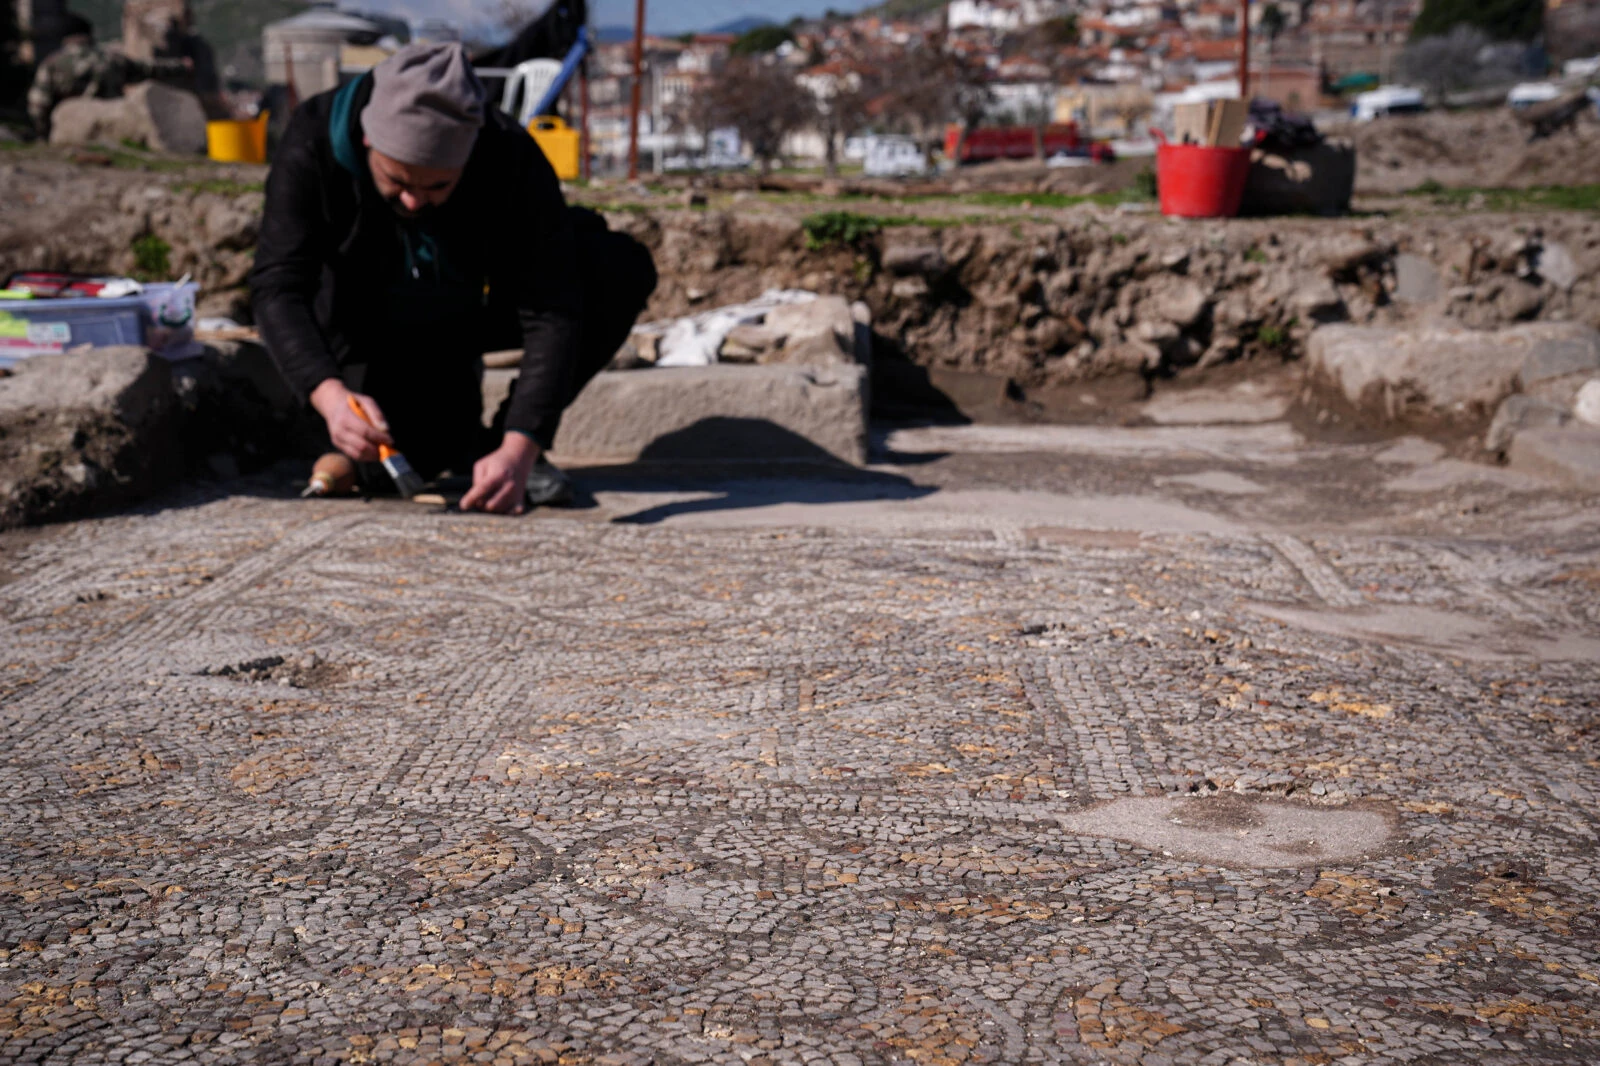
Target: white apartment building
(1002, 16)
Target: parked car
(893, 157)
(1389, 100)
(707, 161)
(1533, 92)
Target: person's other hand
(499, 479)
(349, 433)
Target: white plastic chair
(530, 81)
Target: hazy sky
(665, 16)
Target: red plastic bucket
(1199, 182)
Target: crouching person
(409, 228)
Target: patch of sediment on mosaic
(928, 1023)
(1515, 889)
(121, 764)
(730, 908)
(1511, 1015)
(508, 1047)
(505, 978)
(633, 863)
(1352, 895)
(993, 909)
(970, 859)
(1107, 1021)
(466, 864)
(262, 774)
(38, 1009)
(304, 670)
(1234, 831)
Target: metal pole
(638, 73)
(1244, 50)
(583, 105)
(655, 114)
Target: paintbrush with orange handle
(405, 479)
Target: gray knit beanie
(426, 107)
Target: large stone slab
(1517, 415)
(159, 117)
(1439, 371)
(85, 431)
(1567, 455)
(720, 412)
(1556, 371)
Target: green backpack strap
(339, 126)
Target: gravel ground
(1174, 744)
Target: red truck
(1016, 142)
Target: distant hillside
(900, 9)
(232, 26)
(741, 26)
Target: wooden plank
(1189, 122)
(1228, 121)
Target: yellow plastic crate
(560, 144)
(238, 141)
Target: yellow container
(238, 141)
(560, 144)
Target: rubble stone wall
(1098, 293)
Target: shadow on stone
(780, 468)
(738, 439)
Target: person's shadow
(741, 463)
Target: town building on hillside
(1001, 16)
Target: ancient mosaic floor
(981, 781)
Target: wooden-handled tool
(405, 478)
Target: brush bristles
(405, 479)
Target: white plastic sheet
(696, 340)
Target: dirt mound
(1479, 149)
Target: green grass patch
(1276, 337)
(221, 187)
(1540, 198)
(152, 258)
(829, 228)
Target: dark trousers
(433, 399)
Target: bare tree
(930, 88)
(845, 110)
(1048, 47)
(762, 101)
(1448, 61)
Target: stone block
(820, 332)
(1586, 407)
(1555, 372)
(1519, 413)
(1438, 371)
(1568, 455)
(1416, 280)
(914, 257)
(157, 116)
(720, 412)
(1557, 266)
(84, 431)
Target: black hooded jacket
(341, 279)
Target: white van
(1389, 100)
(1529, 93)
(894, 157)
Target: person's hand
(499, 479)
(350, 434)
